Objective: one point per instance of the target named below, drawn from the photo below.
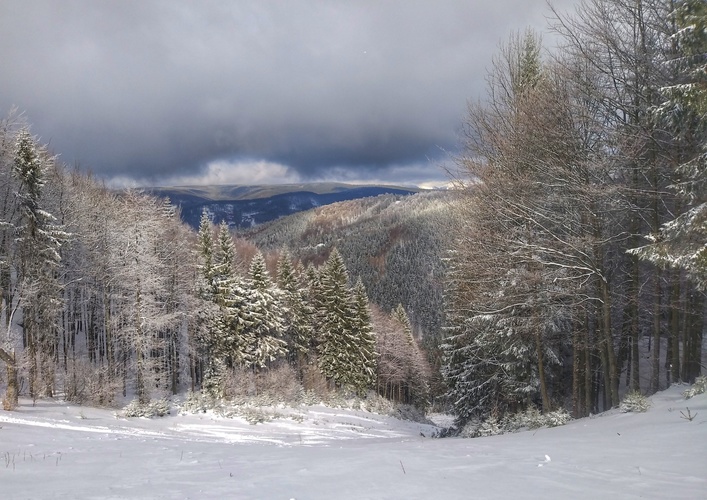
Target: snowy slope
(57, 451)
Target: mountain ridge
(243, 206)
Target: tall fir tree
(364, 361)
(39, 240)
(264, 314)
(298, 325)
(345, 351)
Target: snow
(55, 450)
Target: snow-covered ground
(55, 450)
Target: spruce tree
(221, 341)
(346, 353)
(233, 330)
(335, 325)
(225, 255)
(364, 361)
(206, 255)
(39, 239)
(264, 318)
(298, 327)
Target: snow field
(53, 450)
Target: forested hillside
(397, 245)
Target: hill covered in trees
(397, 245)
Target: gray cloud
(161, 89)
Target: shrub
(699, 387)
(376, 403)
(87, 383)
(267, 387)
(197, 402)
(489, 427)
(158, 408)
(257, 415)
(557, 418)
(532, 418)
(635, 402)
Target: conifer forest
(565, 268)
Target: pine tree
(264, 316)
(258, 272)
(345, 351)
(206, 255)
(364, 361)
(225, 255)
(298, 327)
(210, 325)
(39, 240)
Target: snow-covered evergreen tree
(227, 338)
(335, 313)
(682, 242)
(364, 362)
(263, 327)
(206, 255)
(258, 273)
(211, 324)
(39, 239)
(488, 364)
(224, 255)
(298, 327)
(345, 351)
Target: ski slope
(55, 450)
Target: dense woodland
(584, 250)
(568, 267)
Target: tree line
(584, 251)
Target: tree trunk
(588, 380)
(10, 400)
(692, 348)
(612, 378)
(655, 360)
(541, 374)
(577, 374)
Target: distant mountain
(247, 206)
(396, 244)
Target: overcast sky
(244, 92)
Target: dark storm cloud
(156, 90)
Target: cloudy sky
(165, 92)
